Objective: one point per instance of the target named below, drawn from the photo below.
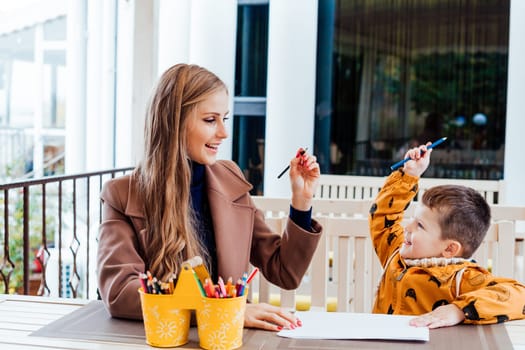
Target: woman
(181, 202)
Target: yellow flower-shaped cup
(220, 323)
(165, 325)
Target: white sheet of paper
(348, 325)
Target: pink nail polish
(279, 328)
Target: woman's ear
(453, 249)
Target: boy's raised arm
(386, 213)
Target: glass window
(396, 74)
(249, 148)
(252, 50)
(16, 60)
(250, 92)
(29, 57)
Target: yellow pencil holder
(220, 323)
(165, 325)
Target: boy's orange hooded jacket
(415, 287)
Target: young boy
(427, 265)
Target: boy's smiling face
(423, 235)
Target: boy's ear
(453, 249)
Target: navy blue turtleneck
(199, 203)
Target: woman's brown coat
(241, 236)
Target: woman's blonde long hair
(165, 172)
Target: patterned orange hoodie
(415, 287)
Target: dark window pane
(250, 91)
(252, 50)
(248, 149)
(394, 74)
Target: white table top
(22, 315)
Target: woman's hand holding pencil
(304, 178)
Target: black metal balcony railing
(47, 232)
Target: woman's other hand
(269, 317)
(304, 178)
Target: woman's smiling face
(206, 128)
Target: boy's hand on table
(443, 316)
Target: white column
(76, 76)
(124, 81)
(100, 85)
(107, 89)
(290, 106)
(514, 159)
(100, 110)
(144, 73)
(94, 119)
(136, 60)
(212, 45)
(38, 102)
(202, 32)
(173, 33)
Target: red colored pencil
(252, 275)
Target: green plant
(16, 232)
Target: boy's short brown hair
(464, 215)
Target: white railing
(367, 187)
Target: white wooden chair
(516, 214)
(355, 269)
(496, 253)
(272, 206)
(348, 186)
(341, 207)
(320, 206)
(262, 290)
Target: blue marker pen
(401, 162)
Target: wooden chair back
(345, 262)
(496, 252)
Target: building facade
(354, 81)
